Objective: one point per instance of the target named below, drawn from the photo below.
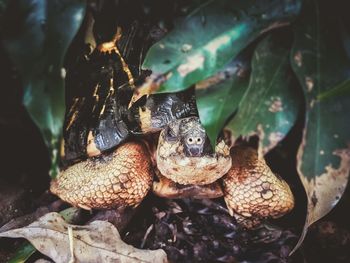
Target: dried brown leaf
(98, 241)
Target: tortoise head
(184, 153)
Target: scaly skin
(252, 192)
(175, 163)
(122, 178)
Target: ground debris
(203, 231)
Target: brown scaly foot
(169, 189)
(121, 178)
(252, 192)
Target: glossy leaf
(39, 35)
(3, 4)
(211, 36)
(218, 97)
(320, 63)
(270, 106)
(23, 253)
(343, 89)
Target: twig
(148, 231)
(71, 244)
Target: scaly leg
(252, 192)
(169, 189)
(119, 179)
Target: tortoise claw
(169, 189)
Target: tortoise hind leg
(252, 192)
(169, 189)
(121, 178)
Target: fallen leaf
(98, 241)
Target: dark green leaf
(218, 96)
(36, 41)
(211, 36)
(3, 4)
(343, 89)
(23, 253)
(320, 62)
(270, 106)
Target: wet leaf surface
(320, 63)
(343, 89)
(36, 44)
(23, 253)
(98, 241)
(218, 97)
(208, 39)
(271, 103)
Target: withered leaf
(98, 241)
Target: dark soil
(202, 231)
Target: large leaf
(320, 62)
(342, 89)
(208, 39)
(27, 249)
(218, 97)
(270, 106)
(36, 41)
(211, 36)
(98, 241)
(23, 253)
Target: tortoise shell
(99, 87)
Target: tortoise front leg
(252, 192)
(119, 179)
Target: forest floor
(202, 231)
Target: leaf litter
(98, 241)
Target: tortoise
(114, 155)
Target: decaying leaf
(98, 241)
(324, 154)
(270, 105)
(71, 215)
